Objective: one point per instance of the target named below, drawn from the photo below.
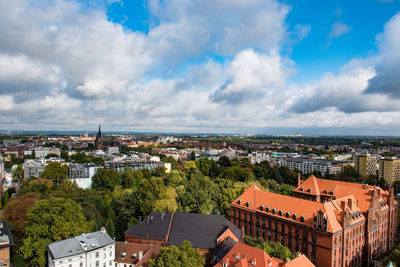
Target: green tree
(197, 194)
(106, 179)
(183, 256)
(56, 172)
(193, 156)
(51, 220)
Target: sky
(201, 66)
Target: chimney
(343, 205)
(140, 255)
(350, 203)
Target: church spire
(98, 143)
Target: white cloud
(338, 29)
(387, 79)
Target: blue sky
(258, 66)
(316, 53)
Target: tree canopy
(183, 256)
(51, 220)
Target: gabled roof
(361, 192)
(254, 197)
(202, 230)
(76, 245)
(242, 255)
(310, 186)
(130, 253)
(155, 226)
(301, 260)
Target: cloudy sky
(220, 66)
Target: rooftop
(79, 244)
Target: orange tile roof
(149, 252)
(242, 255)
(362, 193)
(301, 260)
(281, 203)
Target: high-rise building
(98, 143)
(333, 223)
(389, 169)
(365, 164)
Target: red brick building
(205, 232)
(333, 223)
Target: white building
(306, 166)
(95, 249)
(112, 150)
(35, 167)
(170, 139)
(41, 152)
(82, 174)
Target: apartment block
(389, 169)
(365, 164)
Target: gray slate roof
(76, 245)
(5, 235)
(155, 226)
(202, 230)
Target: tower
(98, 143)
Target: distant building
(131, 254)
(82, 174)
(203, 231)
(365, 164)
(112, 150)
(35, 167)
(86, 250)
(168, 139)
(389, 169)
(41, 152)
(306, 166)
(134, 165)
(6, 242)
(98, 143)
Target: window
(97, 254)
(81, 264)
(110, 263)
(97, 263)
(110, 253)
(105, 255)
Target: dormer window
(239, 201)
(280, 212)
(309, 190)
(273, 210)
(268, 209)
(288, 214)
(262, 207)
(302, 218)
(294, 216)
(325, 191)
(248, 203)
(302, 189)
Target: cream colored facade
(365, 164)
(389, 169)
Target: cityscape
(199, 133)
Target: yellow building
(365, 164)
(389, 169)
